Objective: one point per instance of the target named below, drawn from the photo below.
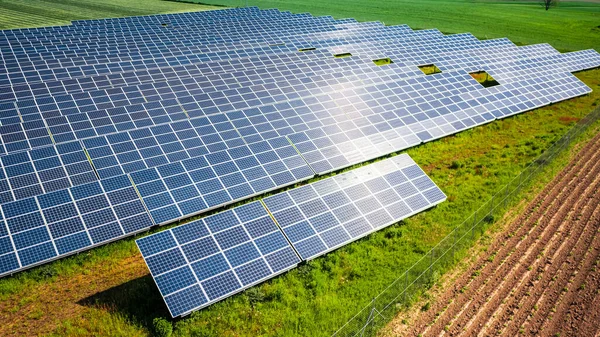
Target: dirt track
(539, 277)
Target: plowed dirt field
(539, 277)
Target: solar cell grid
(181, 189)
(143, 44)
(16, 76)
(62, 222)
(46, 169)
(327, 214)
(218, 107)
(164, 38)
(204, 261)
(58, 126)
(182, 18)
(378, 147)
(393, 148)
(145, 75)
(204, 32)
(143, 148)
(149, 49)
(345, 144)
(208, 68)
(100, 81)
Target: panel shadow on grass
(383, 61)
(139, 300)
(429, 69)
(485, 79)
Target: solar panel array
(199, 110)
(204, 261)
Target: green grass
(38, 13)
(571, 26)
(96, 323)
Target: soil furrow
(556, 274)
(568, 299)
(491, 276)
(588, 324)
(527, 295)
(503, 282)
(579, 306)
(565, 263)
(503, 246)
(481, 293)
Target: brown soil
(539, 277)
(45, 306)
(568, 119)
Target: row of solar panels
(204, 261)
(25, 104)
(151, 55)
(231, 13)
(224, 36)
(16, 131)
(191, 76)
(200, 136)
(30, 109)
(38, 229)
(222, 32)
(128, 152)
(408, 44)
(181, 19)
(150, 51)
(177, 190)
(62, 221)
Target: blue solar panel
(49, 226)
(204, 261)
(44, 170)
(327, 214)
(181, 189)
(200, 110)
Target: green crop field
(107, 291)
(571, 26)
(37, 13)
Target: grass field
(571, 26)
(108, 292)
(575, 25)
(37, 13)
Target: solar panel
(53, 225)
(44, 170)
(202, 262)
(181, 189)
(169, 111)
(330, 213)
